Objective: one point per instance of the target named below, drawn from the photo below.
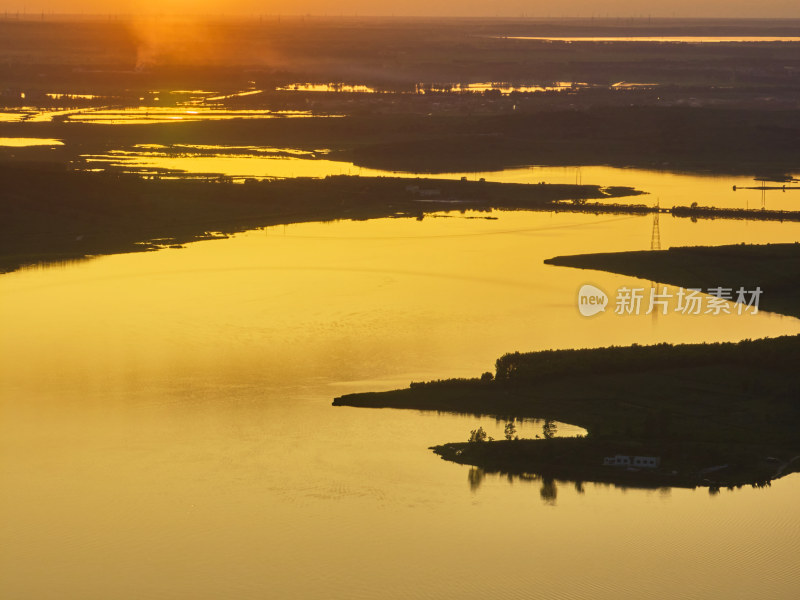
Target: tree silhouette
(477, 435)
(510, 430)
(549, 429)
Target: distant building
(639, 462)
(617, 461)
(423, 192)
(647, 462)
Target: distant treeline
(708, 212)
(723, 140)
(781, 353)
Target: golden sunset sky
(514, 8)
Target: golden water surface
(167, 428)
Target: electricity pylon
(655, 236)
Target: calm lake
(167, 428)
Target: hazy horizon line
(6, 14)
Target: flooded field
(328, 87)
(148, 115)
(71, 96)
(155, 107)
(28, 142)
(422, 88)
(503, 87)
(663, 187)
(168, 431)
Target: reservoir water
(167, 428)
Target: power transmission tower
(655, 244)
(655, 236)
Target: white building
(639, 462)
